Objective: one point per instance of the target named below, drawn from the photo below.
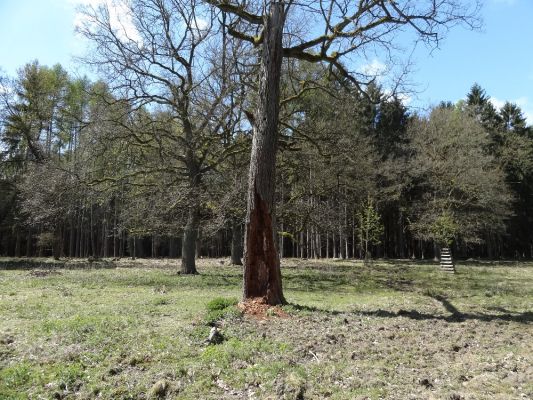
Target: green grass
(390, 330)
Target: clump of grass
(220, 308)
(221, 303)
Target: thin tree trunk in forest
(301, 244)
(104, 238)
(56, 249)
(346, 252)
(294, 249)
(122, 243)
(173, 247)
(327, 244)
(139, 247)
(198, 245)
(71, 237)
(62, 237)
(18, 239)
(262, 274)
(401, 236)
(318, 245)
(353, 236)
(490, 253)
(115, 230)
(311, 241)
(28, 243)
(157, 244)
(281, 242)
(236, 243)
(40, 250)
(342, 254)
(307, 244)
(91, 232)
(79, 235)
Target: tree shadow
(455, 315)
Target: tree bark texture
(188, 245)
(262, 275)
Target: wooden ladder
(446, 262)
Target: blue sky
(499, 58)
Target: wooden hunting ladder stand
(446, 262)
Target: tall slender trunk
(18, 239)
(28, 243)
(282, 242)
(262, 274)
(327, 244)
(115, 228)
(91, 232)
(40, 250)
(236, 243)
(71, 236)
(173, 247)
(301, 244)
(56, 249)
(353, 236)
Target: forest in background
(152, 157)
(86, 173)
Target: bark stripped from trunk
(262, 275)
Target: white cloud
(120, 17)
(202, 24)
(405, 98)
(497, 102)
(373, 68)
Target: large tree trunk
(188, 246)
(262, 274)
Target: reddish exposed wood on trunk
(262, 275)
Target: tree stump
(446, 262)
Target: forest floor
(392, 330)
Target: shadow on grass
(454, 314)
(524, 318)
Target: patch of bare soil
(41, 273)
(366, 355)
(259, 309)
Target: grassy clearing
(394, 330)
